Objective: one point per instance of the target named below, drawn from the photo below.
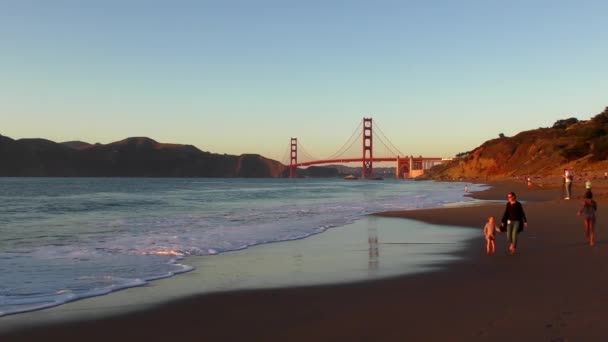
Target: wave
(84, 253)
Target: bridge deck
(354, 160)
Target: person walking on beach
(588, 213)
(513, 220)
(588, 185)
(488, 232)
(568, 178)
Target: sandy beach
(552, 289)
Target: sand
(553, 289)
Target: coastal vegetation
(581, 145)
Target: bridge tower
(293, 160)
(367, 169)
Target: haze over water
(70, 238)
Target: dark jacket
(513, 212)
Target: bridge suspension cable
(388, 148)
(353, 138)
(302, 152)
(399, 153)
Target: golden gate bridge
(365, 133)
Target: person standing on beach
(588, 213)
(488, 232)
(513, 220)
(568, 178)
(588, 185)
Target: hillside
(78, 145)
(570, 143)
(132, 157)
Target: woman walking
(513, 220)
(588, 213)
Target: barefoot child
(588, 213)
(488, 232)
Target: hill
(77, 145)
(570, 143)
(132, 157)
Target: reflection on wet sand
(373, 247)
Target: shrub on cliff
(601, 118)
(575, 152)
(600, 149)
(565, 123)
(592, 133)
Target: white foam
(121, 243)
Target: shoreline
(297, 263)
(101, 301)
(471, 299)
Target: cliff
(132, 157)
(569, 143)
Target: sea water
(63, 239)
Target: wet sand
(553, 289)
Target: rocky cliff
(569, 143)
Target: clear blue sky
(440, 77)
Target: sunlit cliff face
(540, 152)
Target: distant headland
(131, 157)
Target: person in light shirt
(568, 178)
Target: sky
(439, 77)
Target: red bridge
(406, 167)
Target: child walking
(488, 231)
(588, 213)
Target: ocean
(64, 239)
